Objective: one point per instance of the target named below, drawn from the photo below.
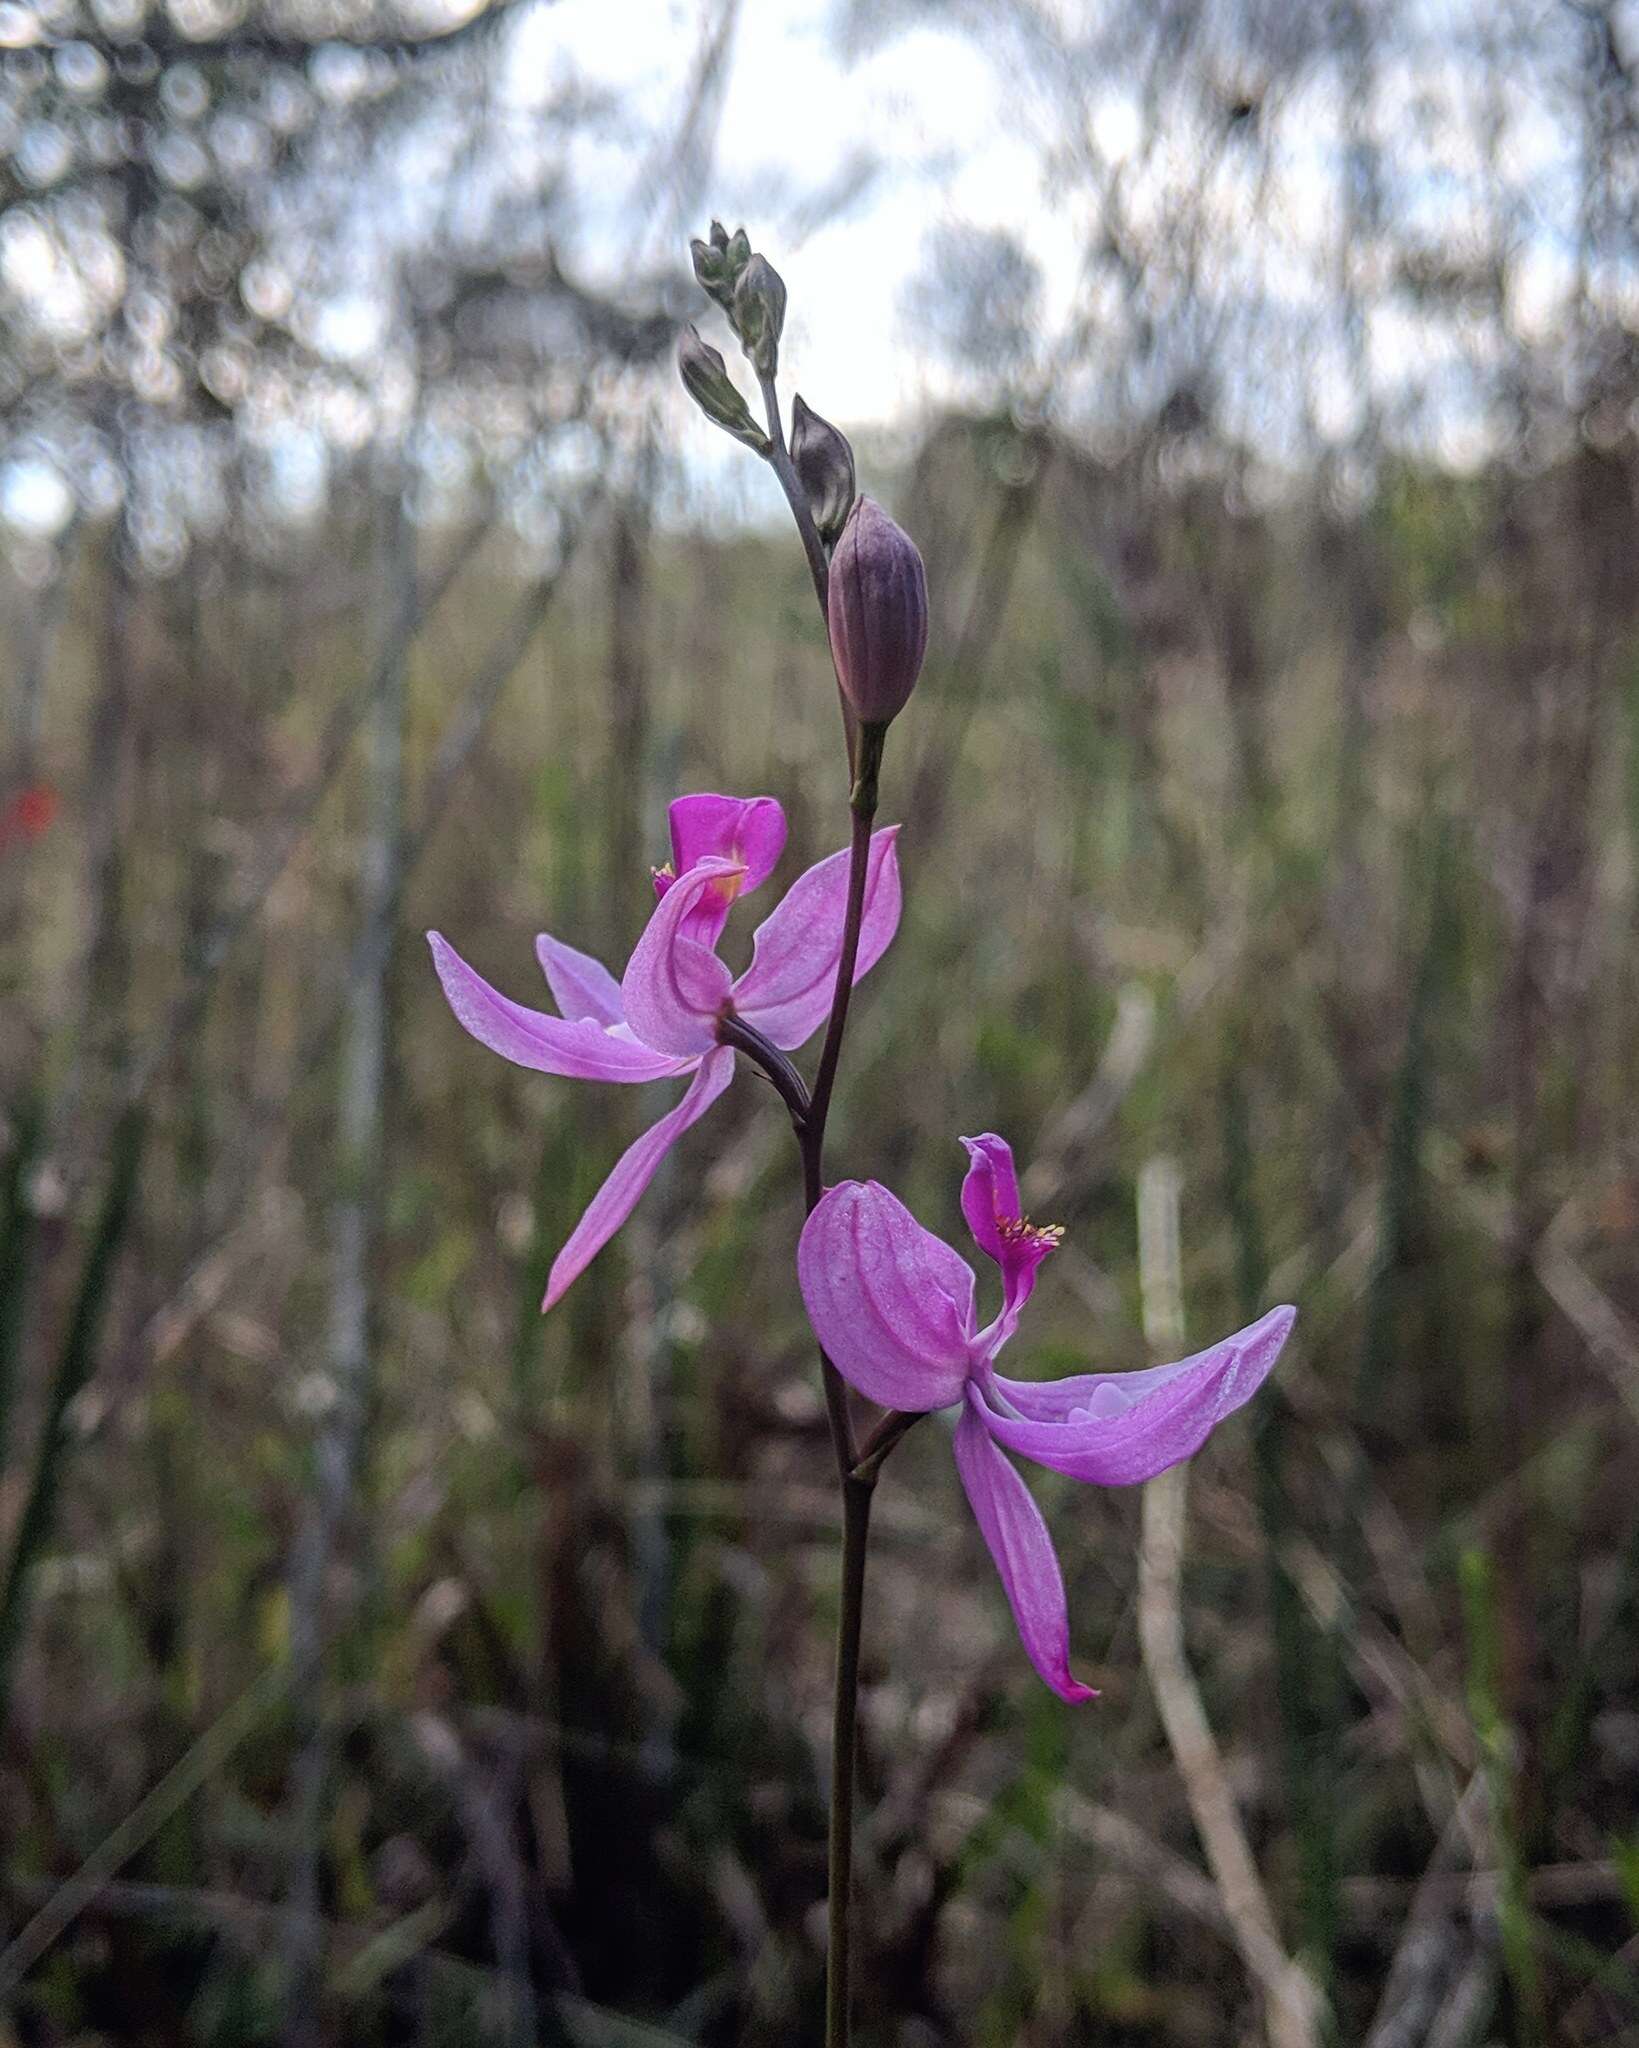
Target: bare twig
(1292, 2004)
(359, 1160)
(139, 1827)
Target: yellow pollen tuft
(1020, 1230)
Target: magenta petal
(786, 991)
(990, 1202)
(579, 1048)
(747, 832)
(891, 1304)
(1023, 1550)
(1116, 1429)
(580, 985)
(990, 1193)
(674, 988)
(618, 1196)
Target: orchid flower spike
(664, 1018)
(894, 1309)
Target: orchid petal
(1018, 1540)
(1117, 1429)
(580, 985)
(618, 1196)
(579, 1048)
(990, 1202)
(674, 987)
(990, 1193)
(786, 991)
(891, 1304)
(749, 831)
(746, 832)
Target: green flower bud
(824, 463)
(711, 273)
(758, 313)
(707, 381)
(719, 262)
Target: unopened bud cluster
(748, 288)
(718, 263)
(876, 594)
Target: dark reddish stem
(808, 1119)
(863, 805)
(857, 1487)
(819, 562)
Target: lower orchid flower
(894, 1308)
(664, 1018)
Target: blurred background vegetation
(382, 1664)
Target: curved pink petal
(990, 1193)
(1017, 1536)
(579, 1048)
(786, 991)
(990, 1202)
(580, 985)
(618, 1196)
(891, 1304)
(747, 832)
(674, 988)
(1117, 1429)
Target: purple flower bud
(877, 611)
(825, 468)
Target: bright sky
(957, 138)
(797, 120)
(844, 168)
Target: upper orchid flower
(664, 1016)
(893, 1307)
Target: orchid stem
(857, 1477)
(882, 1441)
(856, 1522)
(857, 1486)
(863, 805)
(779, 460)
(788, 1083)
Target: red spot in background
(26, 815)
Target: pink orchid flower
(663, 1017)
(894, 1309)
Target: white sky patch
(928, 108)
(35, 500)
(347, 329)
(1118, 127)
(846, 174)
